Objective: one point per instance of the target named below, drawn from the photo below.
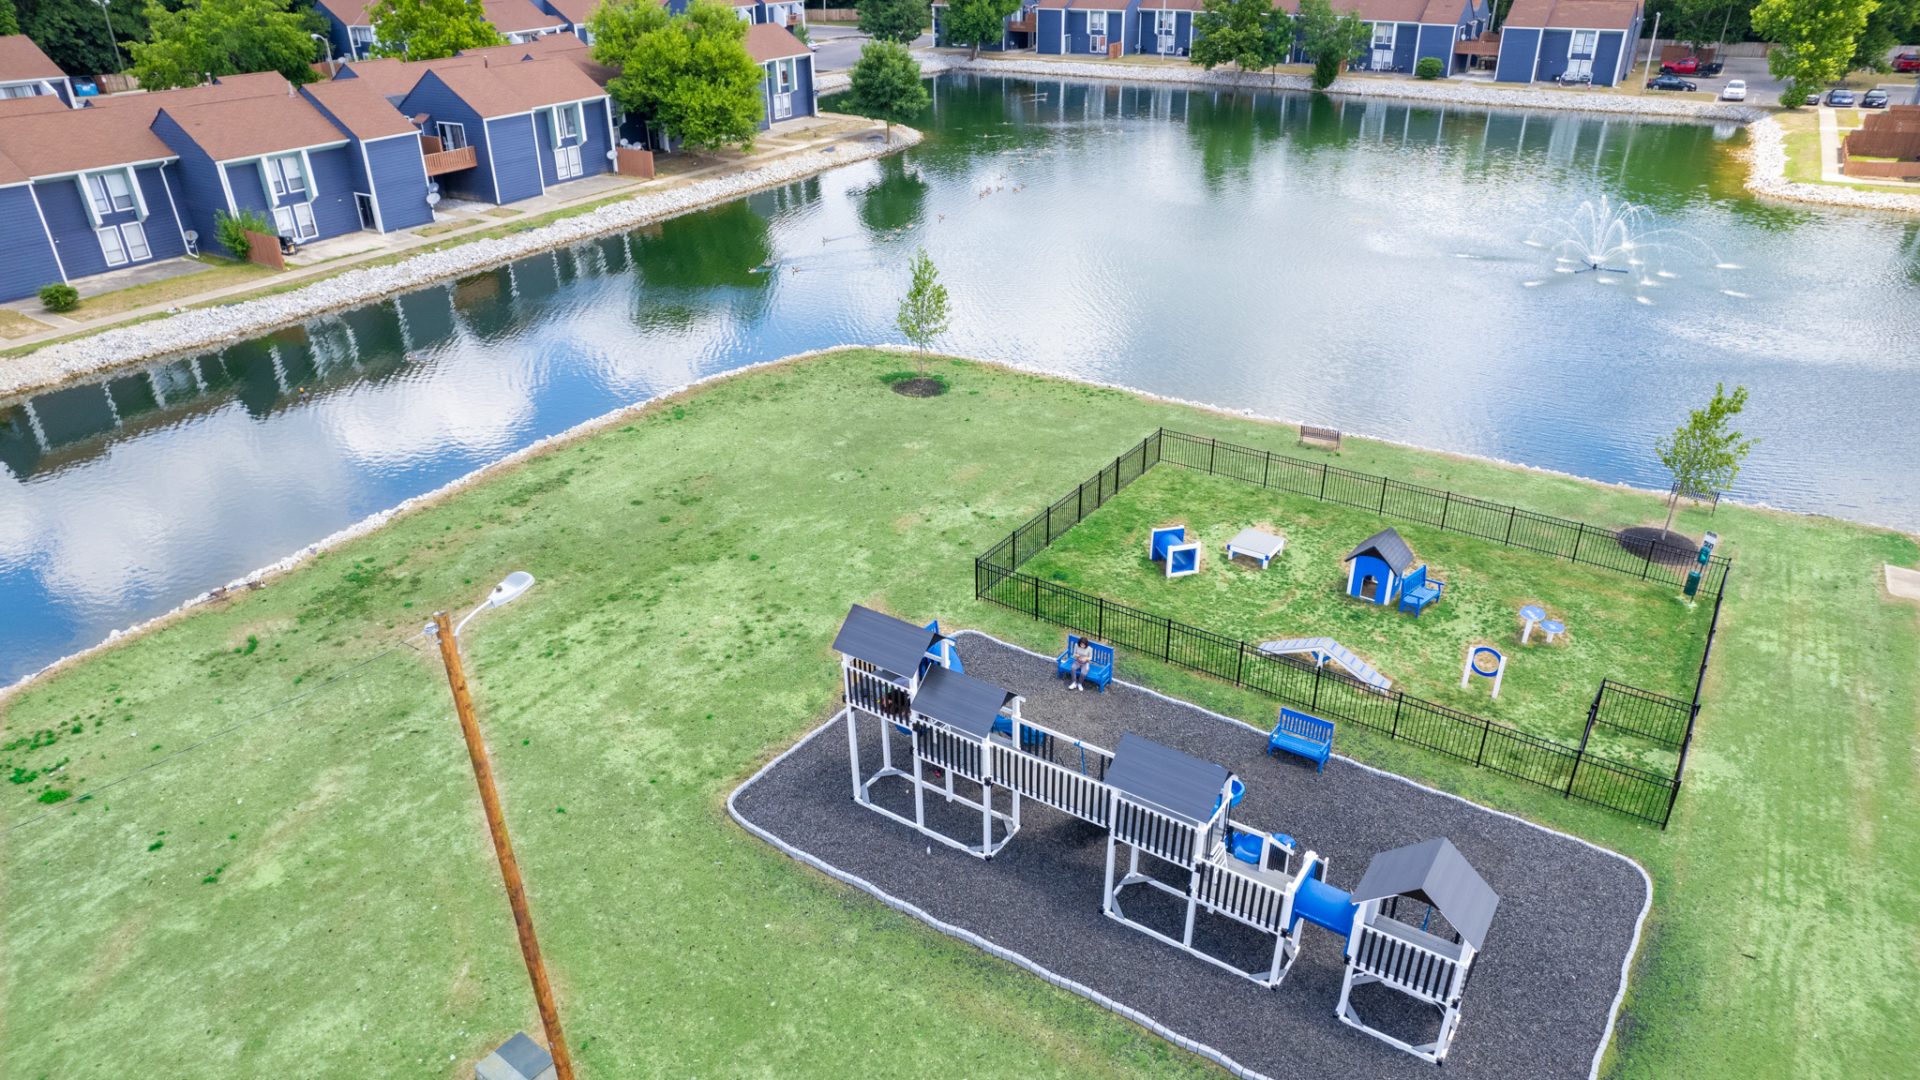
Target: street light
(111, 40)
(327, 44)
(509, 590)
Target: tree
(978, 22)
(9, 18)
(1234, 32)
(73, 33)
(1330, 40)
(1704, 454)
(688, 73)
(224, 37)
(923, 311)
(430, 29)
(1814, 41)
(1890, 25)
(895, 20)
(885, 84)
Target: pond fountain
(1603, 238)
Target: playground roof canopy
(1168, 778)
(881, 640)
(1389, 547)
(960, 701)
(1434, 872)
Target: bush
(231, 230)
(59, 298)
(1326, 68)
(1427, 68)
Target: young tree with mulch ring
(924, 313)
(1704, 454)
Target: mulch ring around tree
(1669, 548)
(920, 387)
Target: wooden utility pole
(503, 847)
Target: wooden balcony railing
(1027, 25)
(447, 161)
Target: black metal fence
(1501, 523)
(1577, 772)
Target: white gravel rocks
(1767, 176)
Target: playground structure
(1324, 650)
(1259, 546)
(1486, 662)
(1169, 546)
(1162, 805)
(1381, 571)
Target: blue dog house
(1378, 568)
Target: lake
(1381, 268)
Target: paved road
(839, 46)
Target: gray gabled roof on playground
(1389, 546)
(1434, 872)
(1165, 777)
(960, 701)
(881, 640)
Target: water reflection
(1360, 263)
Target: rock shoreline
(202, 328)
(1767, 177)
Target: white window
(136, 241)
(296, 221)
(1584, 42)
(783, 76)
(25, 90)
(452, 136)
(285, 176)
(567, 121)
(1383, 35)
(110, 245)
(1096, 31)
(110, 192)
(566, 162)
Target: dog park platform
(1539, 1000)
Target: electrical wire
(59, 810)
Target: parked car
(1813, 99)
(1735, 90)
(1907, 61)
(1873, 99)
(1669, 82)
(1840, 99)
(1708, 71)
(1686, 65)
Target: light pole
(332, 65)
(448, 635)
(111, 40)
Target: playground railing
(1242, 898)
(1064, 787)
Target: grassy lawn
(1633, 631)
(219, 274)
(311, 893)
(13, 324)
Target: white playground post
(1468, 670)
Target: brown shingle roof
(21, 59)
(516, 16)
(1171, 5)
(576, 12)
(1384, 11)
(10, 174)
(507, 89)
(395, 77)
(228, 88)
(249, 127)
(1443, 12)
(72, 140)
(351, 12)
(766, 43)
(38, 103)
(1574, 14)
(357, 104)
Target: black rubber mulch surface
(1540, 993)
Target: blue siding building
(1574, 41)
(1164, 27)
(787, 91)
(277, 155)
(387, 170)
(531, 125)
(27, 72)
(30, 261)
(1086, 27)
(349, 27)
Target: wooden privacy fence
(264, 250)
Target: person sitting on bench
(1082, 660)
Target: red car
(1907, 62)
(1686, 65)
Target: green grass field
(1642, 633)
(312, 893)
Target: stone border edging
(1152, 1025)
(202, 328)
(1767, 177)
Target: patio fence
(1577, 772)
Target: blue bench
(1100, 672)
(1308, 736)
(1419, 590)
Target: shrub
(232, 229)
(59, 298)
(1326, 68)
(1427, 68)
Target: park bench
(1325, 436)
(1419, 590)
(1307, 736)
(1100, 672)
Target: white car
(1735, 90)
